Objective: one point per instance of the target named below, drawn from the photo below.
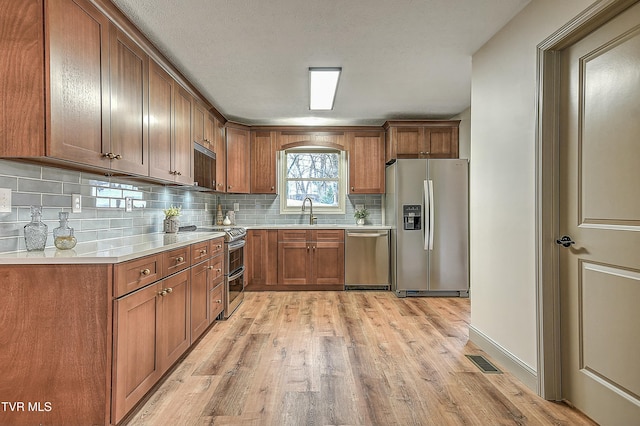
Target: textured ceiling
(400, 58)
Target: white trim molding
(509, 361)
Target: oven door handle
(236, 244)
(237, 274)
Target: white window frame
(342, 181)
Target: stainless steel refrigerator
(427, 203)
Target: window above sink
(313, 172)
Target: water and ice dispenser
(412, 217)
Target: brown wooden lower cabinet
(84, 343)
(295, 259)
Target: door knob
(565, 241)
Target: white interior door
(600, 211)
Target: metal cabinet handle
(145, 271)
(218, 301)
(170, 290)
(118, 157)
(179, 259)
(162, 293)
(203, 251)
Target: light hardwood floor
(343, 358)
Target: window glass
(316, 174)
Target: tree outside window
(315, 174)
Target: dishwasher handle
(366, 235)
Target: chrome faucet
(312, 218)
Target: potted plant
(360, 216)
(171, 221)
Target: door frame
(547, 187)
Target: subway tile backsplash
(103, 213)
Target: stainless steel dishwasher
(367, 259)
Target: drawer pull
(179, 259)
(169, 290)
(162, 293)
(218, 301)
(145, 271)
(203, 251)
(219, 246)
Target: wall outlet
(76, 203)
(359, 206)
(128, 204)
(5, 200)
(236, 207)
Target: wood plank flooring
(343, 358)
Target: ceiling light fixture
(323, 83)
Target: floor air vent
(483, 364)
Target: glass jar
(35, 232)
(63, 235)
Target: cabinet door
(209, 135)
(22, 84)
(161, 86)
(136, 363)
(409, 141)
(199, 113)
(129, 81)
(441, 142)
(175, 323)
(263, 162)
(328, 262)
(182, 154)
(221, 158)
(294, 262)
(366, 163)
(199, 300)
(262, 252)
(78, 107)
(238, 156)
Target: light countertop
(318, 226)
(114, 250)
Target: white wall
(502, 192)
(464, 133)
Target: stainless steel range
(234, 242)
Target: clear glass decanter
(63, 235)
(35, 232)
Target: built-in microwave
(204, 167)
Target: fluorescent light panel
(323, 83)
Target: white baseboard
(506, 359)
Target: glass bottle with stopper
(63, 237)
(35, 232)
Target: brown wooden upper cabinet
(78, 107)
(206, 128)
(366, 162)
(422, 139)
(263, 162)
(238, 159)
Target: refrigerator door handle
(425, 207)
(432, 217)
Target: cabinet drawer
(216, 246)
(135, 274)
(176, 260)
(330, 235)
(216, 267)
(292, 235)
(216, 301)
(200, 251)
